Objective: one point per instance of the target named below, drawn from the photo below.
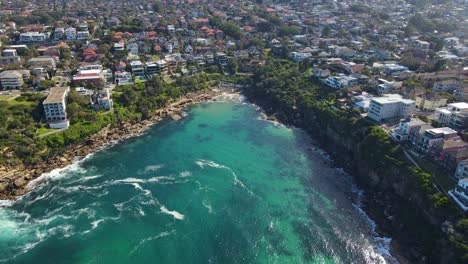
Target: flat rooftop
(443, 130)
(56, 95)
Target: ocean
(221, 185)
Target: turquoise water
(219, 186)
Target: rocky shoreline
(14, 181)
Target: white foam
(185, 174)
(59, 173)
(88, 178)
(161, 178)
(207, 206)
(153, 168)
(379, 252)
(175, 214)
(130, 180)
(6, 203)
(202, 163)
(94, 225)
(230, 97)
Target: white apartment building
(82, 35)
(70, 33)
(390, 106)
(444, 114)
(34, 37)
(55, 107)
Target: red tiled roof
(62, 45)
(202, 20)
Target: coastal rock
(20, 182)
(3, 186)
(175, 117)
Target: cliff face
(400, 211)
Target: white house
(407, 129)
(462, 170)
(444, 114)
(123, 78)
(299, 56)
(70, 33)
(460, 194)
(390, 106)
(34, 37)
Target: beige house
(13, 79)
(430, 102)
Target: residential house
(137, 68)
(102, 100)
(444, 114)
(82, 35)
(431, 136)
(460, 194)
(59, 33)
(41, 62)
(34, 37)
(462, 170)
(123, 78)
(13, 79)
(10, 59)
(10, 53)
(70, 33)
(429, 102)
(407, 129)
(448, 86)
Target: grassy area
(44, 130)
(15, 102)
(155, 57)
(5, 97)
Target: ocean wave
(161, 178)
(94, 225)
(174, 214)
(6, 203)
(380, 251)
(202, 163)
(230, 97)
(59, 173)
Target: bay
(219, 186)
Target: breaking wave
(175, 214)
